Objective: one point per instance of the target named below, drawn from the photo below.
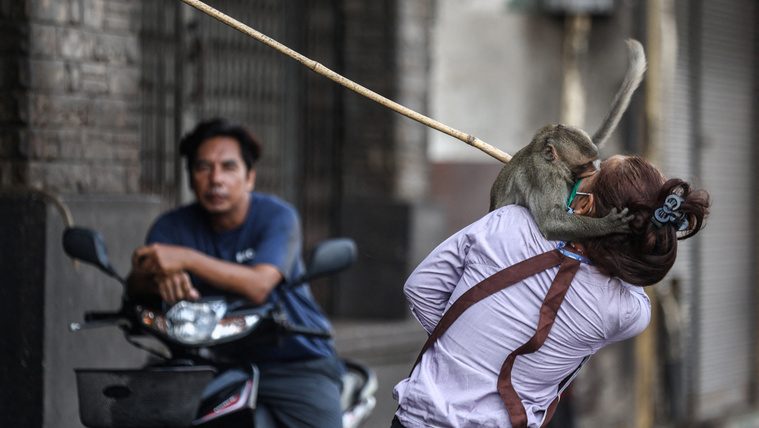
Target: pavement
(389, 348)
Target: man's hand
(160, 268)
(159, 259)
(175, 287)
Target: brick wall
(13, 43)
(71, 124)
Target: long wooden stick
(324, 71)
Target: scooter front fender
(230, 399)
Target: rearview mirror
(88, 246)
(330, 256)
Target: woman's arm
(484, 247)
(429, 287)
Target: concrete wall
(43, 292)
(123, 221)
(496, 73)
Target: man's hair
(250, 145)
(646, 254)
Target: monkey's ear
(549, 153)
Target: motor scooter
(198, 378)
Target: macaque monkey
(541, 175)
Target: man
(239, 243)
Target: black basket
(155, 397)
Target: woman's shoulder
(613, 285)
(627, 307)
(517, 221)
(511, 217)
(509, 230)
(515, 211)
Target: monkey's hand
(617, 221)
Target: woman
(465, 375)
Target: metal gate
(159, 167)
(230, 75)
(196, 68)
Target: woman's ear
(583, 206)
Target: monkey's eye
(584, 170)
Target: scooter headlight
(196, 323)
(192, 322)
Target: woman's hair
(250, 145)
(644, 256)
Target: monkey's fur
(541, 175)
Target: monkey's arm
(557, 224)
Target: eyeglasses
(574, 193)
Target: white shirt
(455, 383)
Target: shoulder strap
(489, 286)
(497, 282)
(548, 312)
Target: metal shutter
(711, 110)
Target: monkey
(542, 174)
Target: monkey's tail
(622, 99)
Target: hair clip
(669, 213)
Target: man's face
(219, 177)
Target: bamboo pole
(324, 71)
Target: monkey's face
(585, 170)
(575, 150)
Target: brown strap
(498, 282)
(489, 286)
(548, 313)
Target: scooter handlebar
(99, 319)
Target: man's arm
(162, 268)
(171, 288)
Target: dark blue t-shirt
(271, 234)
